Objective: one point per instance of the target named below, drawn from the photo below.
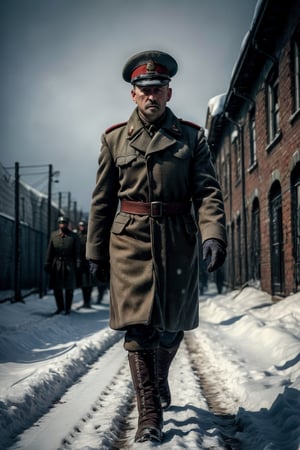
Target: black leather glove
(216, 251)
(100, 270)
(47, 267)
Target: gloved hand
(216, 250)
(100, 270)
(47, 267)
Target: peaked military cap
(150, 68)
(63, 219)
(82, 223)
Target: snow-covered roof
(271, 19)
(216, 104)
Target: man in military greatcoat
(62, 261)
(156, 189)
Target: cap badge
(150, 66)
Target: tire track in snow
(105, 425)
(107, 413)
(75, 405)
(52, 385)
(111, 422)
(219, 399)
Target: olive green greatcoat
(63, 255)
(154, 261)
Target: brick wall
(275, 164)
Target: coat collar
(171, 124)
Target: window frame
(252, 139)
(272, 105)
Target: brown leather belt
(155, 209)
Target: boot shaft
(143, 367)
(69, 299)
(165, 357)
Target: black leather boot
(59, 299)
(86, 291)
(143, 366)
(69, 300)
(87, 299)
(165, 358)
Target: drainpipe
(262, 52)
(243, 96)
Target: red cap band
(147, 69)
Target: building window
(255, 241)
(273, 105)
(237, 156)
(295, 190)
(227, 173)
(239, 250)
(296, 73)
(232, 256)
(224, 181)
(252, 135)
(276, 240)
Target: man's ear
(133, 95)
(169, 94)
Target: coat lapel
(167, 135)
(159, 142)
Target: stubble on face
(151, 101)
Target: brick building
(254, 134)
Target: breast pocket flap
(125, 160)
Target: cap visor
(149, 82)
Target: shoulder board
(191, 124)
(114, 127)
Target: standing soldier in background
(85, 278)
(158, 169)
(102, 289)
(219, 279)
(62, 261)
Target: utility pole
(50, 175)
(59, 202)
(17, 284)
(69, 204)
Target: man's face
(151, 100)
(63, 226)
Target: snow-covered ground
(65, 384)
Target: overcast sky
(61, 73)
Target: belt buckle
(159, 206)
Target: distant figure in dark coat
(219, 278)
(85, 279)
(62, 260)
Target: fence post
(49, 199)
(17, 286)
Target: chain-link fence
(24, 229)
